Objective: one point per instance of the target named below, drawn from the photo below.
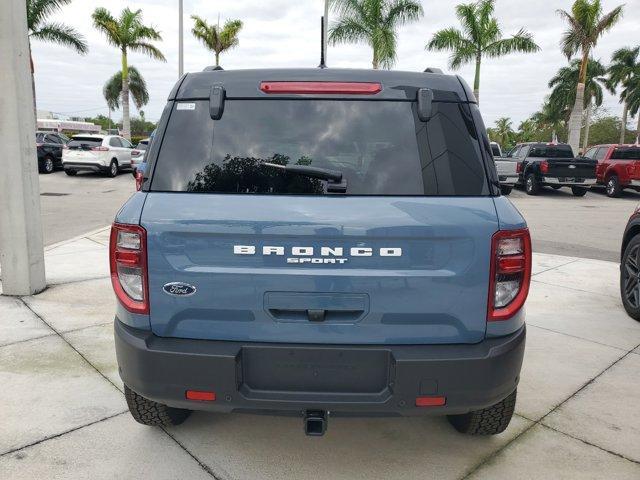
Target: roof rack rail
(432, 70)
(212, 68)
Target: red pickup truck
(618, 167)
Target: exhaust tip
(315, 423)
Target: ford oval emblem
(179, 289)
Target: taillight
(135, 152)
(326, 88)
(139, 179)
(65, 147)
(128, 261)
(39, 144)
(100, 149)
(510, 273)
(518, 167)
(544, 166)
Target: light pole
(325, 24)
(21, 250)
(180, 40)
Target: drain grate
(53, 194)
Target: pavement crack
(529, 324)
(203, 465)
(557, 266)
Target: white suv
(97, 153)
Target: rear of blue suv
(321, 243)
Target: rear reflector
(430, 401)
(200, 395)
(326, 88)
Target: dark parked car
(630, 266)
(49, 145)
(552, 165)
(321, 241)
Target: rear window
(495, 149)
(79, 142)
(380, 147)
(551, 151)
(626, 153)
(40, 137)
(141, 146)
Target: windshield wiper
(336, 183)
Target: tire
(506, 189)
(556, 187)
(47, 165)
(614, 189)
(153, 414)
(531, 185)
(113, 169)
(488, 421)
(630, 278)
(71, 173)
(578, 191)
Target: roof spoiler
(433, 70)
(212, 68)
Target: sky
(286, 33)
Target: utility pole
(21, 248)
(180, 39)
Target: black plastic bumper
(344, 379)
(85, 167)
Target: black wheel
(531, 185)
(47, 165)
(148, 412)
(488, 421)
(578, 191)
(506, 189)
(630, 278)
(613, 187)
(556, 187)
(71, 173)
(113, 168)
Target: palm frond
(403, 11)
(609, 20)
(61, 34)
(107, 24)
(348, 30)
(148, 49)
(39, 10)
(520, 42)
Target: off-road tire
(506, 189)
(488, 421)
(631, 306)
(578, 191)
(531, 185)
(613, 187)
(148, 412)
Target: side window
(115, 142)
(524, 152)
(125, 143)
(600, 154)
(515, 152)
(591, 153)
(51, 139)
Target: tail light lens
(135, 152)
(518, 167)
(139, 179)
(128, 262)
(544, 166)
(326, 88)
(510, 273)
(100, 149)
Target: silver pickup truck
(507, 169)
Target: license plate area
(571, 180)
(300, 370)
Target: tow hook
(315, 422)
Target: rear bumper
(584, 182)
(508, 179)
(85, 166)
(350, 380)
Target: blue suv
(321, 242)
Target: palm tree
(128, 33)
(480, 37)
(373, 22)
(586, 25)
(632, 95)
(112, 90)
(624, 64)
(40, 29)
(214, 38)
(502, 132)
(563, 95)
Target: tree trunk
(625, 118)
(33, 86)
(638, 129)
(587, 126)
(476, 80)
(126, 121)
(575, 121)
(374, 63)
(217, 59)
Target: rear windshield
(141, 146)
(379, 147)
(495, 149)
(551, 151)
(626, 153)
(84, 142)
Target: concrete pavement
(64, 415)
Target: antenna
(322, 64)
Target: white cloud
(285, 33)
